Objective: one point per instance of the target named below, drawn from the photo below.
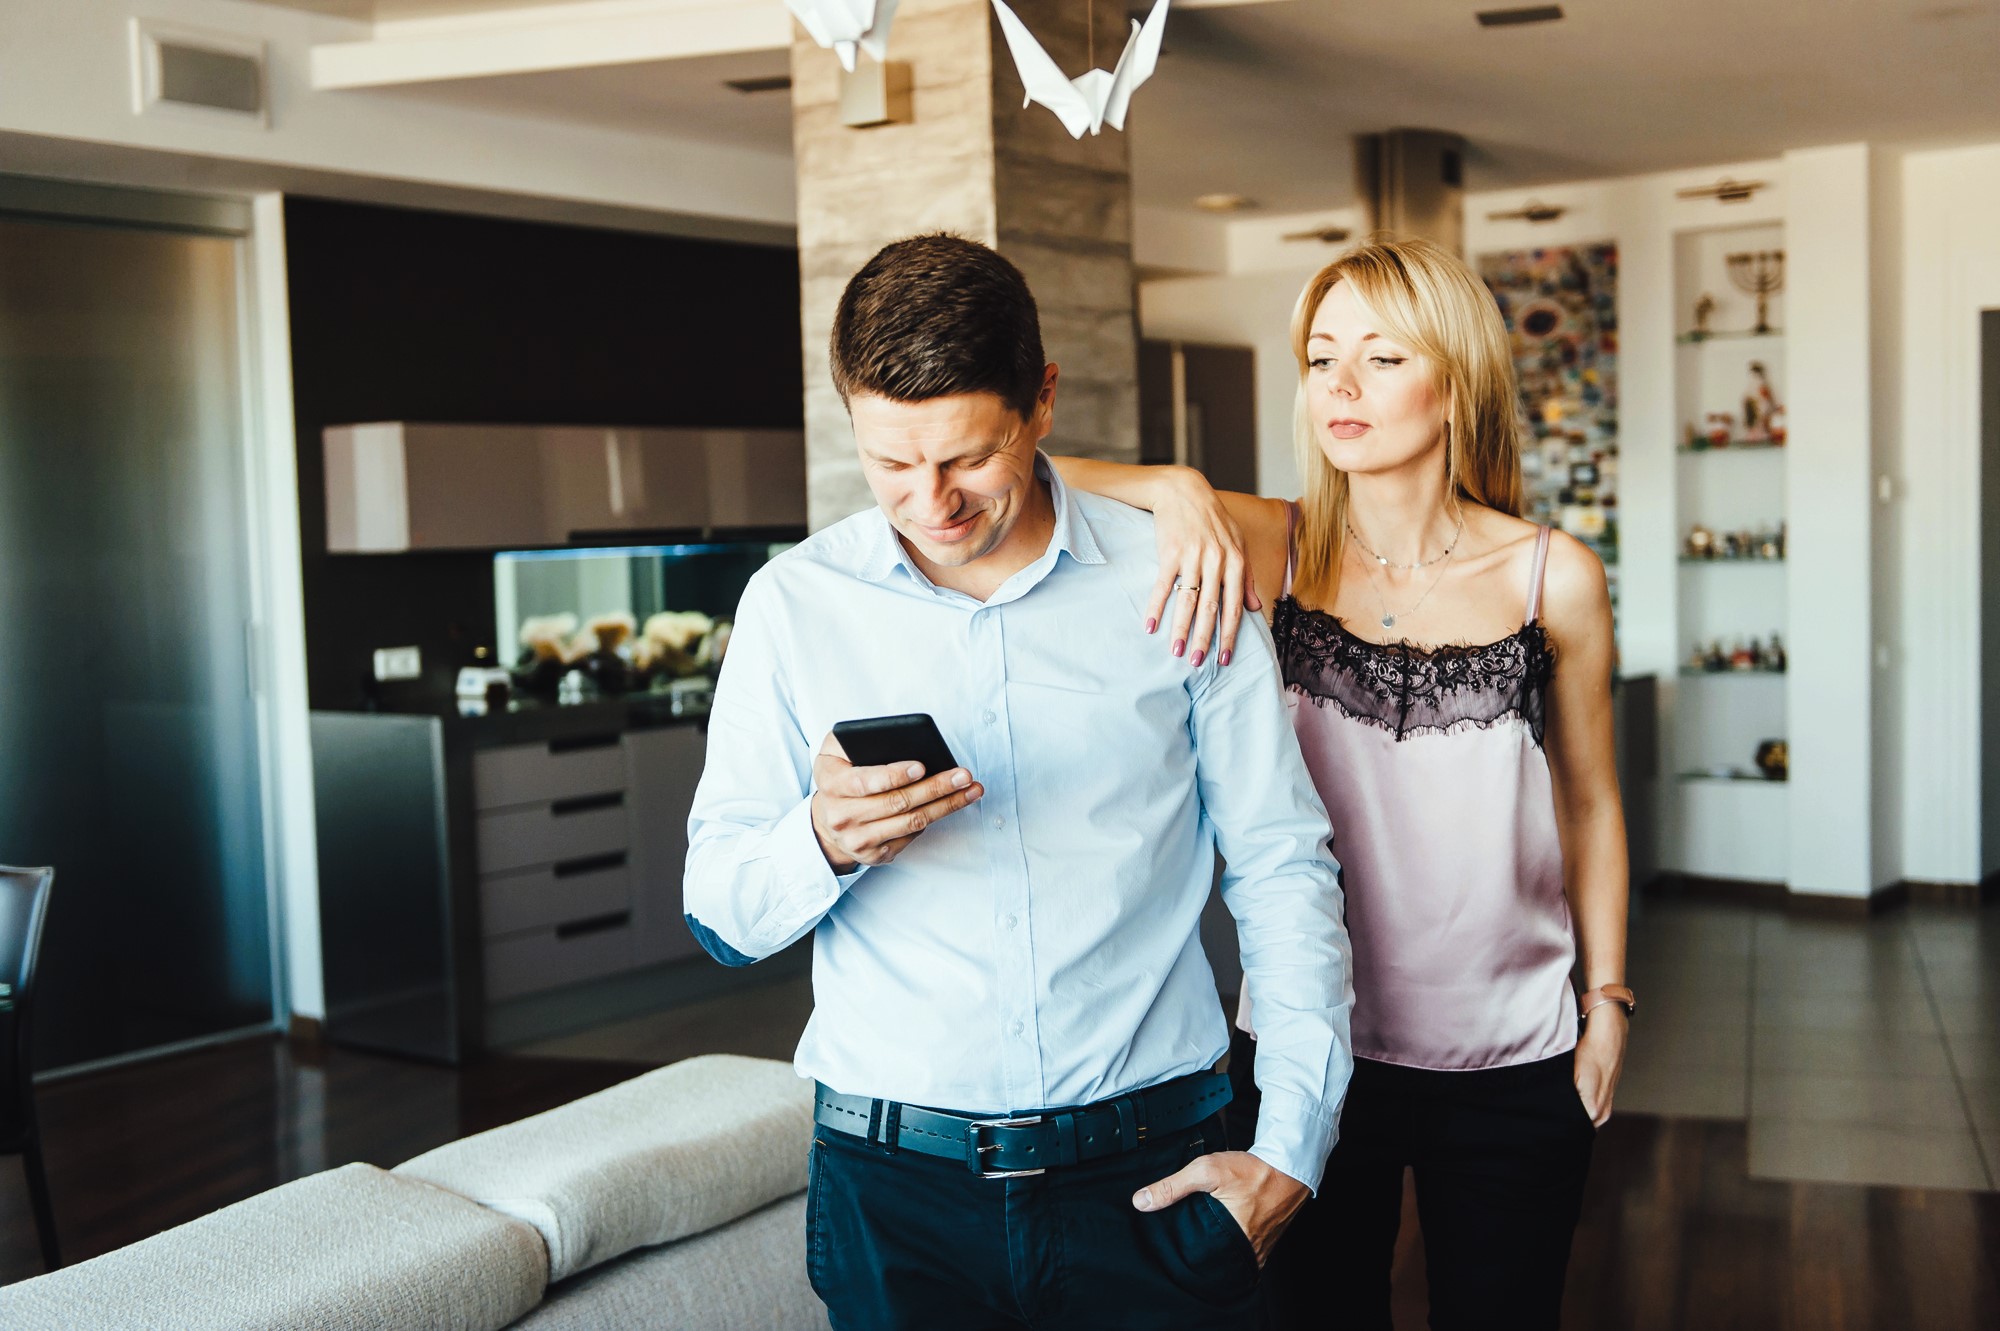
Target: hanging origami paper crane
(846, 24)
(1094, 99)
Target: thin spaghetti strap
(1291, 544)
(1535, 578)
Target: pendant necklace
(1388, 615)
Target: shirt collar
(885, 552)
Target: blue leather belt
(1017, 1145)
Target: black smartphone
(877, 741)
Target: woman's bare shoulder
(1576, 595)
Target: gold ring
(1191, 589)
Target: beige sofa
(673, 1201)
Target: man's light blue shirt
(1041, 947)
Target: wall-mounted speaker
(215, 76)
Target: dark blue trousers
(908, 1242)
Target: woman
(1449, 669)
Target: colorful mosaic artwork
(1561, 307)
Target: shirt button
(1011, 921)
(998, 822)
(1020, 1026)
(990, 718)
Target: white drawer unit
(562, 830)
(555, 894)
(539, 773)
(550, 958)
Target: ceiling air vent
(1508, 18)
(183, 71)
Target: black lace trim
(1409, 690)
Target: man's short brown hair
(934, 316)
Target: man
(1015, 1026)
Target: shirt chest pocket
(1087, 741)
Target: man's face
(953, 474)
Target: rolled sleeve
(1282, 887)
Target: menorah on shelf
(1760, 274)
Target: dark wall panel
(418, 316)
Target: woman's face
(1370, 397)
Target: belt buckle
(972, 1138)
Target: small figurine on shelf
(1763, 417)
(1774, 759)
(1703, 309)
(1721, 426)
(1717, 659)
(1774, 655)
(1694, 441)
(1700, 543)
(1746, 655)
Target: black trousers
(908, 1242)
(1500, 1157)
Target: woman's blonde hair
(1427, 298)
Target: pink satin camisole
(1430, 763)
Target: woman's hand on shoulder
(1207, 578)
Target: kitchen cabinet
(395, 486)
(467, 862)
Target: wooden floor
(1676, 1236)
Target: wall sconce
(876, 92)
(1723, 191)
(1531, 211)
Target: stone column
(977, 164)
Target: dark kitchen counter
(532, 720)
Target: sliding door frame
(268, 508)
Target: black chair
(24, 902)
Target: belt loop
(892, 1123)
(1138, 1099)
(1128, 1122)
(874, 1122)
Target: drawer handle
(578, 743)
(594, 925)
(586, 803)
(590, 864)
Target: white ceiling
(1263, 99)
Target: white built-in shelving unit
(1813, 833)
(1727, 818)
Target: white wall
(65, 75)
(1254, 310)
(290, 835)
(1828, 338)
(1886, 608)
(1951, 271)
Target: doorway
(128, 725)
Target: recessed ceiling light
(1224, 203)
(1507, 18)
(774, 83)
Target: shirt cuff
(1294, 1136)
(802, 860)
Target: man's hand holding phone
(866, 815)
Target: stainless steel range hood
(395, 486)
